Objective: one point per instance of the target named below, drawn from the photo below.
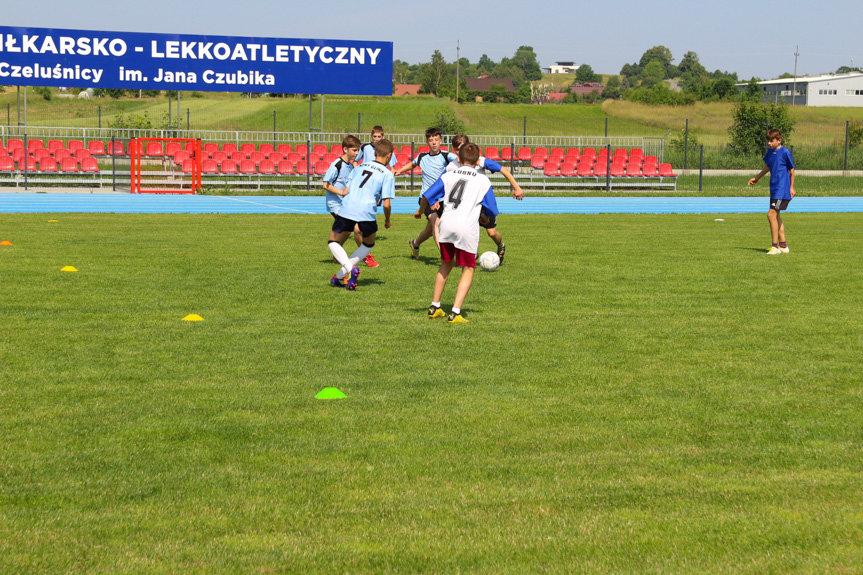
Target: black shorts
(342, 225)
(490, 224)
(428, 211)
(779, 205)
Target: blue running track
(189, 204)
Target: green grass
(634, 393)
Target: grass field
(633, 394)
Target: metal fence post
(412, 159)
(274, 128)
(524, 132)
(606, 128)
(847, 126)
(170, 122)
(701, 170)
(113, 165)
(26, 157)
(686, 143)
(607, 165)
(100, 116)
(512, 157)
(8, 114)
(309, 158)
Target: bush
(855, 133)
(659, 95)
(43, 91)
(450, 125)
(751, 122)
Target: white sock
(456, 310)
(341, 256)
(436, 303)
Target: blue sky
(750, 38)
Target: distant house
(555, 97)
(484, 84)
(584, 88)
(407, 89)
(823, 90)
(561, 68)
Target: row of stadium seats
(602, 170)
(49, 164)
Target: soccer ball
(489, 261)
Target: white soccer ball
(489, 261)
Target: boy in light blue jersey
(486, 221)
(780, 164)
(369, 185)
(433, 164)
(367, 151)
(335, 182)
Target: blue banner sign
(132, 60)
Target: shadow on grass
(760, 250)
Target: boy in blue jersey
(489, 223)
(433, 164)
(780, 164)
(367, 151)
(369, 185)
(335, 182)
(465, 193)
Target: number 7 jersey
(369, 184)
(464, 193)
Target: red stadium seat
(18, 154)
(589, 152)
(651, 159)
(96, 147)
(295, 158)
(181, 156)
(266, 149)
(31, 164)
(286, 167)
(423, 150)
(6, 164)
(302, 168)
(60, 153)
(541, 152)
(524, 154)
(665, 171)
(153, 149)
(68, 165)
(246, 167)
(48, 164)
(650, 170)
(54, 144)
(320, 167)
(229, 147)
(171, 147)
(238, 156)
(267, 167)
(573, 153)
(276, 157)
(318, 151)
(75, 145)
(284, 149)
(247, 149)
(330, 157)
(406, 150)
(585, 169)
(493, 153)
(600, 169)
(633, 170)
(40, 153)
(188, 165)
(618, 170)
(115, 148)
(257, 157)
(337, 149)
(568, 169)
(13, 143)
(228, 167)
(302, 150)
(636, 153)
(208, 167)
(81, 153)
(35, 144)
(538, 162)
(210, 148)
(220, 157)
(506, 154)
(551, 169)
(556, 152)
(90, 165)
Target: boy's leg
(358, 235)
(463, 287)
(781, 228)
(773, 218)
(441, 278)
(427, 232)
(369, 259)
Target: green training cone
(330, 393)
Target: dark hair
(351, 141)
(459, 140)
(378, 129)
(433, 131)
(383, 148)
(774, 134)
(468, 154)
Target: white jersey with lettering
(464, 193)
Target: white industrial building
(825, 90)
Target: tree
(690, 64)
(653, 74)
(751, 120)
(752, 93)
(612, 89)
(436, 75)
(485, 65)
(659, 53)
(525, 59)
(401, 71)
(586, 74)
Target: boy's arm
(407, 167)
(331, 188)
(433, 194)
(489, 204)
(387, 211)
(754, 180)
(517, 193)
(793, 192)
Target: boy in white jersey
(433, 164)
(463, 193)
(489, 223)
(369, 185)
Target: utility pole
(794, 86)
(457, 58)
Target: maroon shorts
(463, 259)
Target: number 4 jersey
(369, 184)
(464, 193)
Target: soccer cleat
(773, 251)
(352, 280)
(501, 250)
(456, 318)
(336, 282)
(369, 260)
(415, 251)
(784, 250)
(435, 312)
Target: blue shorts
(342, 225)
